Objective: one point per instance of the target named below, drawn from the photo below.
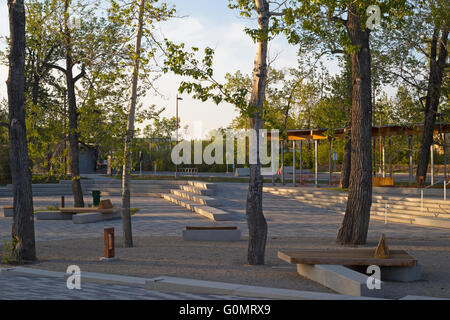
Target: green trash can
(96, 198)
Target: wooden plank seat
(347, 257)
(86, 210)
(210, 228)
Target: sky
(203, 23)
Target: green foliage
(5, 169)
(8, 251)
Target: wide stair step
(199, 191)
(203, 200)
(203, 210)
(395, 209)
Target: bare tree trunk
(126, 218)
(355, 225)
(432, 100)
(257, 224)
(73, 115)
(23, 222)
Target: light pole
(176, 166)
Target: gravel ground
(225, 261)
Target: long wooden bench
(348, 257)
(85, 210)
(211, 233)
(344, 270)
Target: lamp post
(176, 166)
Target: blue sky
(207, 23)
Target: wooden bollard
(63, 202)
(109, 242)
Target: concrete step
(203, 200)
(416, 211)
(206, 211)
(199, 191)
(412, 213)
(439, 205)
(203, 185)
(393, 206)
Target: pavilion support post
(330, 141)
(374, 156)
(390, 157)
(445, 157)
(316, 163)
(410, 159)
(282, 163)
(384, 157)
(294, 182)
(301, 162)
(432, 163)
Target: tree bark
(357, 215)
(346, 160)
(23, 221)
(432, 100)
(73, 117)
(126, 218)
(256, 222)
(346, 165)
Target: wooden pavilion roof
(380, 131)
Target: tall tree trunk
(73, 116)
(432, 100)
(357, 215)
(256, 222)
(346, 165)
(23, 222)
(126, 218)
(347, 158)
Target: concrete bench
(8, 211)
(215, 233)
(92, 217)
(53, 215)
(344, 270)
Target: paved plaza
(159, 218)
(47, 288)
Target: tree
(437, 64)
(183, 63)
(415, 56)
(23, 223)
(147, 14)
(338, 26)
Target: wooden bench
(212, 233)
(188, 171)
(344, 270)
(211, 228)
(105, 207)
(348, 257)
(85, 210)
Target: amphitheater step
(199, 191)
(203, 200)
(203, 185)
(203, 210)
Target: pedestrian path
(22, 287)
